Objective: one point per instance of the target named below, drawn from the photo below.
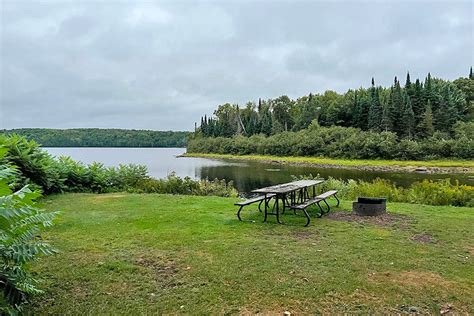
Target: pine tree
(266, 123)
(210, 127)
(396, 107)
(407, 123)
(446, 114)
(387, 125)
(471, 75)
(375, 111)
(425, 126)
(417, 99)
(202, 126)
(408, 82)
(429, 93)
(205, 126)
(361, 110)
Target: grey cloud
(162, 64)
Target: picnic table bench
(294, 195)
(288, 194)
(316, 200)
(260, 199)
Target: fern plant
(20, 223)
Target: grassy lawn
(345, 162)
(124, 253)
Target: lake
(246, 175)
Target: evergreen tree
(374, 120)
(277, 127)
(202, 126)
(407, 123)
(386, 120)
(471, 75)
(446, 114)
(411, 111)
(417, 100)
(307, 113)
(425, 127)
(408, 82)
(266, 121)
(396, 107)
(361, 110)
(429, 93)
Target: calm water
(246, 175)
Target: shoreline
(427, 167)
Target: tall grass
(440, 192)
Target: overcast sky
(161, 65)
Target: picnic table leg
(320, 209)
(329, 208)
(277, 211)
(337, 200)
(285, 202)
(266, 208)
(307, 217)
(238, 213)
(293, 200)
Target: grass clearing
(343, 162)
(149, 253)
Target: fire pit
(367, 206)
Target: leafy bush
(186, 186)
(37, 168)
(441, 192)
(343, 142)
(20, 223)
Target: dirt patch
(417, 279)
(359, 302)
(470, 250)
(423, 238)
(385, 220)
(301, 234)
(165, 270)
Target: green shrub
(441, 192)
(34, 166)
(343, 142)
(20, 223)
(186, 186)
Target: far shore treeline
(96, 137)
(421, 119)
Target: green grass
(344, 162)
(148, 254)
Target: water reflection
(246, 175)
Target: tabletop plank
(288, 187)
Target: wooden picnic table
(296, 190)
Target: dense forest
(94, 137)
(417, 120)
